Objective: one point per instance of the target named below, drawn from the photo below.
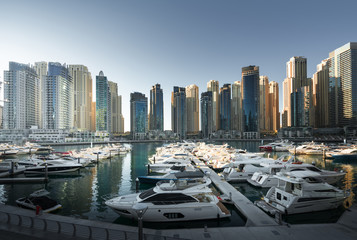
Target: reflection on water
(82, 194)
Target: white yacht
(240, 171)
(181, 200)
(53, 167)
(168, 163)
(265, 180)
(301, 195)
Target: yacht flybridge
(301, 195)
(181, 200)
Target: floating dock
(255, 216)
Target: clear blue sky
(140, 43)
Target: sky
(174, 43)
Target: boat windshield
(147, 193)
(314, 169)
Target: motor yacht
(173, 175)
(53, 167)
(39, 198)
(265, 180)
(168, 201)
(168, 163)
(301, 195)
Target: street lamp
(140, 209)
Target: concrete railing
(80, 228)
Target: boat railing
(72, 227)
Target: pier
(255, 216)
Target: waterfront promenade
(15, 223)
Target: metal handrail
(109, 232)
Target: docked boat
(6, 166)
(39, 198)
(168, 163)
(170, 201)
(282, 146)
(349, 154)
(53, 167)
(267, 180)
(187, 175)
(301, 195)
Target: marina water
(83, 193)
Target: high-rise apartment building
(58, 97)
(21, 94)
(287, 90)
(342, 86)
(82, 89)
(121, 117)
(213, 86)
(225, 107)
(115, 108)
(192, 108)
(236, 113)
(206, 114)
(156, 111)
(295, 90)
(274, 114)
(178, 111)
(41, 70)
(320, 99)
(93, 117)
(138, 113)
(250, 98)
(103, 106)
(264, 103)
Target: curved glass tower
(250, 98)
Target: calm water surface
(82, 194)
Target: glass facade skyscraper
(250, 98)
(178, 111)
(138, 113)
(58, 97)
(225, 107)
(103, 99)
(156, 112)
(206, 114)
(343, 85)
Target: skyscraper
(41, 70)
(320, 99)
(138, 113)
(236, 106)
(265, 105)
(250, 98)
(156, 112)
(297, 90)
(274, 114)
(342, 86)
(287, 90)
(82, 107)
(103, 115)
(21, 94)
(115, 109)
(213, 86)
(225, 107)
(121, 117)
(192, 108)
(206, 114)
(178, 111)
(58, 97)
